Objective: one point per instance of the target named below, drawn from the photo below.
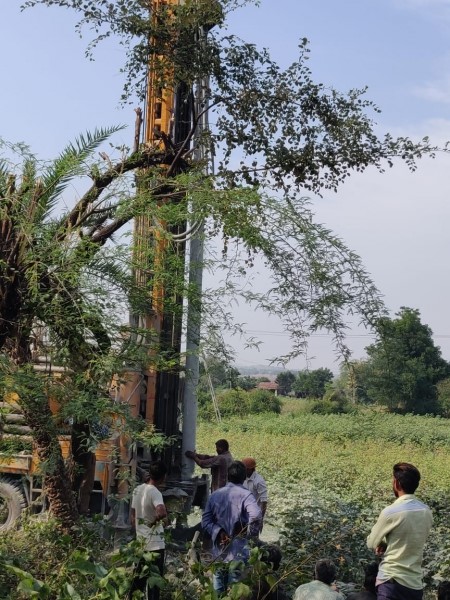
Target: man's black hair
(443, 591)
(325, 571)
(223, 444)
(157, 471)
(407, 476)
(271, 555)
(237, 473)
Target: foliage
(443, 390)
(241, 402)
(285, 380)
(334, 402)
(246, 383)
(36, 563)
(312, 383)
(221, 372)
(352, 381)
(277, 133)
(405, 365)
(331, 475)
(263, 401)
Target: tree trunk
(84, 464)
(33, 397)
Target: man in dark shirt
(218, 464)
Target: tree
(352, 381)
(58, 273)
(285, 379)
(278, 133)
(312, 384)
(246, 382)
(443, 388)
(405, 365)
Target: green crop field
(329, 476)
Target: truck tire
(12, 503)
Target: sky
(400, 49)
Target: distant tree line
(404, 372)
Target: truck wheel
(12, 503)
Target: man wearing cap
(256, 484)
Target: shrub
(263, 401)
(239, 403)
(234, 402)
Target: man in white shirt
(147, 514)
(322, 588)
(256, 484)
(399, 536)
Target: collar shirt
(316, 590)
(146, 497)
(218, 464)
(404, 526)
(257, 486)
(231, 508)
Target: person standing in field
(323, 586)
(147, 515)
(231, 517)
(218, 464)
(399, 536)
(256, 484)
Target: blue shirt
(232, 508)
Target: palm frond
(4, 174)
(70, 164)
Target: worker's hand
(223, 538)
(189, 454)
(380, 549)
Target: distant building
(270, 386)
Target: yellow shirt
(404, 526)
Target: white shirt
(146, 497)
(257, 486)
(316, 590)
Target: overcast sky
(397, 222)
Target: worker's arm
(209, 523)
(206, 462)
(254, 515)
(380, 530)
(202, 460)
(261, 492)
(161, 512)
(263, 506)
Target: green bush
(238, 402)
(262, 401)
(39, 562)
(233, 402)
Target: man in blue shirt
(231, 517)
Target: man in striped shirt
(399, 537)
